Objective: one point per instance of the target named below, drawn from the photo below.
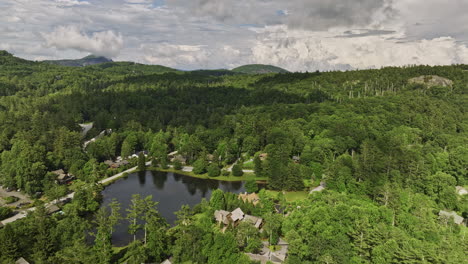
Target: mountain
(259, 69)
(86, 61)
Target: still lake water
(169, 189)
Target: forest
(390, 152)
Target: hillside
(86, 61)
(259, 69)
(359, 166)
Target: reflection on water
(169, 189)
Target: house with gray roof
(456, 218)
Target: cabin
(62, 177)
(456, 218)
(21, 261)
(256, 221)
(116, 165)
(173, 156)
(237, 215)
(252, 198)
(296, 159)
(461, 191)
(222, 216)
(167, 261)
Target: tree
(134, 215)
(237, 170)
(217, 200)
(251, 186)
(214, 170)
(8, 245)
(102, 242)
(141, 161)
(258, 167)
(135, 254)
(273, 227)
(199, 166)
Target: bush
(11, 199)
(225, 173)
(237, 170)
(177, 165)
(214, 170)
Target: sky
(298, 35)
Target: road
(24, 213)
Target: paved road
(24, 213)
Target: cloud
(295, 34)
(300, 50)
(105, 43)
(296, 14)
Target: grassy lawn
(248, 165)
(244, 177)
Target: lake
(169, 189)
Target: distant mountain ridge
(259, 69)
(86, 61)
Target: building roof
(318, 189)
(456, 218)
(21, 261)
(173, 153)
(251, 198)
(58, 172)
(222, 216)
(166, 262)
(256, 221)
(52, 209)
(461, 190)
(108, 162)
(237, 215)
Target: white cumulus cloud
(105, 43)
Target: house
(52, 209)
(318, 189)
(173, 156)
(167, 261)
(296, 159)
(456, 218)
(237, 215)
(461, 190)
(256, 221)
(222, 216)
(263, 156)
(21, 261)
(251, 198)
(62, 177)
(116, 165)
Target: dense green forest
(390, 152)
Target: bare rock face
(431, 80)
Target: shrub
(225, 173)
(5, 212)
(177, 165)
(237, 170)
(214, 170)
